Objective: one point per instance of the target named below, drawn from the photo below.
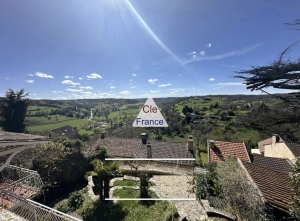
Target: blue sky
(139, 48)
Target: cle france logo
(150, 116)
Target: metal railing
(18, 187)
(20, 181)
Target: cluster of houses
(267, 167)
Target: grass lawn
(130, 183)
(134, 211)
(204, 158)
(126, 183)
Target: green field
(43, 124)
(33, 109)
(198, 103)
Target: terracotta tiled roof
(167, 150)
(273, 185)
(122, 147)
(9, 137)
(278, 164)
(261, 144)
(294, 148)
(224, 149)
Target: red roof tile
(224, 149)
(273, 185)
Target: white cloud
(30, 81)
(176, 90)
(93, 76)
(86, 92)
(164, 85)
(202, 53)
(225, 55)
(69, 76)
(134, 74)
(43, 75)
(69, 82)
(73, 90)
(134, 87)
(208, 45)
(192, 53)
(231, 84)
(31, 75)
(125, 92)
(112, 87)
(152, 81)
(80, 78)
(194, 56)
(56, 92)
(130, 79)
(211, 79)
(152, 91)
(86, 87)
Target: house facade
(282, 149)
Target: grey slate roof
(65, 129)
(119, 147)
(9, 137)
(125, 147)
(294, 148)
(167, 150)
(277, 164)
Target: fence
(18, 186)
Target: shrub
(75, 201)
(63, 207)
(201, 187)
(87, 210)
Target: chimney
(103, 134)
(190, 143)
(275, 139)
(149, 154)
(144, 137)
(211, 144)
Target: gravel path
(179, 187)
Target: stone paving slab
(179, 187)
